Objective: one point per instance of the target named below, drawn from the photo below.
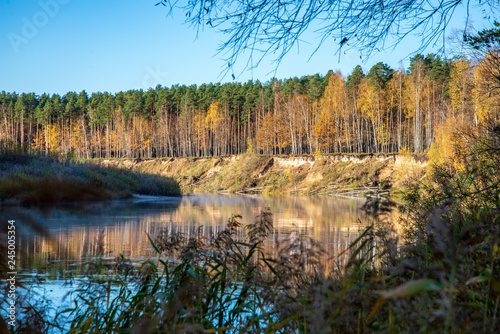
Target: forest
(383, 111)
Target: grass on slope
(31, 179)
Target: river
(73, 233)
(53, 243)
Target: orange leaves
(266, 133)
(324, 127)
(333, 107)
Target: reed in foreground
(234, 283)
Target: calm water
(52, 245)
(72, 234)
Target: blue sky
(56, 46)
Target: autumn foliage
(382, 111)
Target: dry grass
(38, 180)
(275, 175)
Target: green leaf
(477, 279)
(153, 244)
(412, 288)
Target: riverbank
(30, 179)
(272, 175)
(38, 179)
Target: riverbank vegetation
(384, 111)
(36, 179)
(440, 275)
(342, 175)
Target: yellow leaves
(460, 86)
(324, 127)
(206, 125)
(199, 122)
(449, 145)
(274, 131)
(54, 137)
(283, 138)
(317, 153)
(334, 97)
(48, 138)
(411, 95)
(146, 143)
(332, 107)
(404, 151)
(368, 98)
(200, 128)
(441, 149)
(77, 138)
(214, 116)
(487, 87)
(380, 132)
(395, 89)
(251, 149)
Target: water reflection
(121, 226)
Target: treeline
(385, 110)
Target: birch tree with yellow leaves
(331, 122)
(213, 122)
(461, 91)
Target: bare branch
(259, 28)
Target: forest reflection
(73, 235)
